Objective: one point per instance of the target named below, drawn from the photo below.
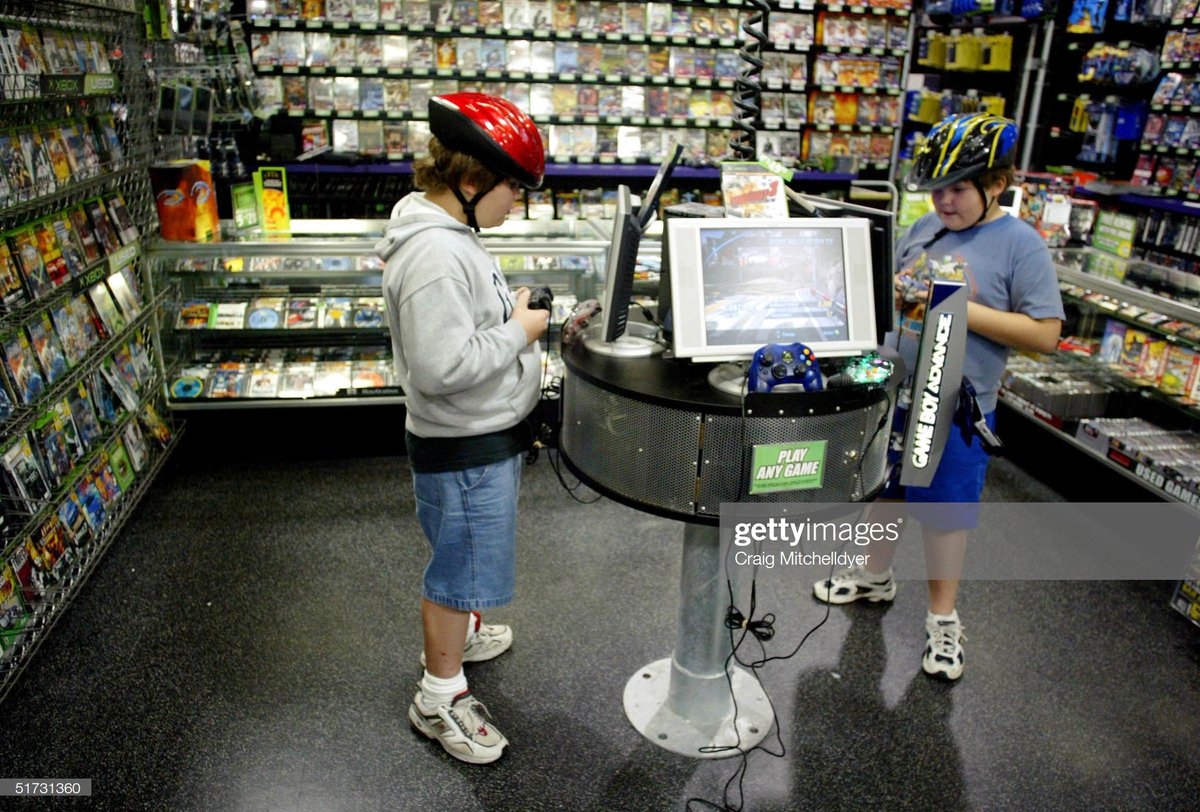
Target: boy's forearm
(1016, 330)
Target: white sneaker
(463, 728)
(487, 642)
(943, 647)
(855, 584)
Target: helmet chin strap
(468, 206)
(987, 203)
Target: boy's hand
(909, 290)
(535, 322)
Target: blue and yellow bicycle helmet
(963, 147)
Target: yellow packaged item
(932, 53)
(962, 51)
(996, 52)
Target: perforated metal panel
(644, 452)
(650, 453)
(855, 457)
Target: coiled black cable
(747, 88)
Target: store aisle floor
(251, 643)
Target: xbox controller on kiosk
(777, 364)
(540, 298)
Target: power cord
(761, 629)
(546, 437)
(649, 314)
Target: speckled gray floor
(251, 642)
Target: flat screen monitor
(619, 267)
(738, 284)
(883, 247)
(628, 227)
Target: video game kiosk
(772, 340)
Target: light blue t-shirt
(1006, 266)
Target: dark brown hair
(443, 168)
(1005, 173)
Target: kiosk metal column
(683, 703)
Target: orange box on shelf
(186, 201)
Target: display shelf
(47, 613)
(1114, 287)
(92, 128)
(314, 268)
(1138, 474)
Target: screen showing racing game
(773, 286)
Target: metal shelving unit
(127, 94)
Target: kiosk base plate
(649, 711)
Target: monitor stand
(729, 378)
(639, 341)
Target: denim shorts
(959, 478)
(470, 520)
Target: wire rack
(129, 94)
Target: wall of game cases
(82, 425)
(606, 81)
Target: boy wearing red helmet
(1013, 303)
(466, 353)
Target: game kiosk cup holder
(653, 434)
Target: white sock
(878, 577)
(930, 617)
(474, 619)
(438, 691)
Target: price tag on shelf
(287, 22)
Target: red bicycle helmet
(492, 130)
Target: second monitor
(613, 336)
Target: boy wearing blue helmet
(1013, 303)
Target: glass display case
(298, 319)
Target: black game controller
(540, 298)
(777, 364)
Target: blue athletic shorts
(470, 520)
(959, 478)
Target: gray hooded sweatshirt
(466, 367)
